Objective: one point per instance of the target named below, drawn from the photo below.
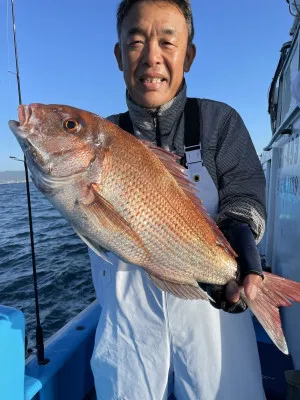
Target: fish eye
(71, 125)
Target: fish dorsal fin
(188, 292)
(178, 172)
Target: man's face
(153, 53)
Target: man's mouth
(152, 82)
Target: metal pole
(39, 330)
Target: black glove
(241, 239)
(217, 293)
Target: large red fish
(131, 198)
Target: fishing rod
(39, 330)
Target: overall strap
(192, 128)
(125, 122)
(191, 123)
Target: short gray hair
(183, 5)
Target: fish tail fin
(275, 292)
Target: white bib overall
(149, 343)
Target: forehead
(161, 15)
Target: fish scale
(184, 254)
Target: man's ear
(189, 57)
(118, 56)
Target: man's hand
(251, 284)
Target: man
(149, 341)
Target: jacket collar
(166, 117)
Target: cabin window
(279, 104)
(289, 72)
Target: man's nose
(152, 54)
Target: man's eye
(167, 44)
(136, 42)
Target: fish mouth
(19, 128)
(23, 130)
(24, 114)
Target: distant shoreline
(10, 182)
(7, 177)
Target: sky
(66, 57)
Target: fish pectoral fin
(184, 291)
(104, 213)
(93, 246)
